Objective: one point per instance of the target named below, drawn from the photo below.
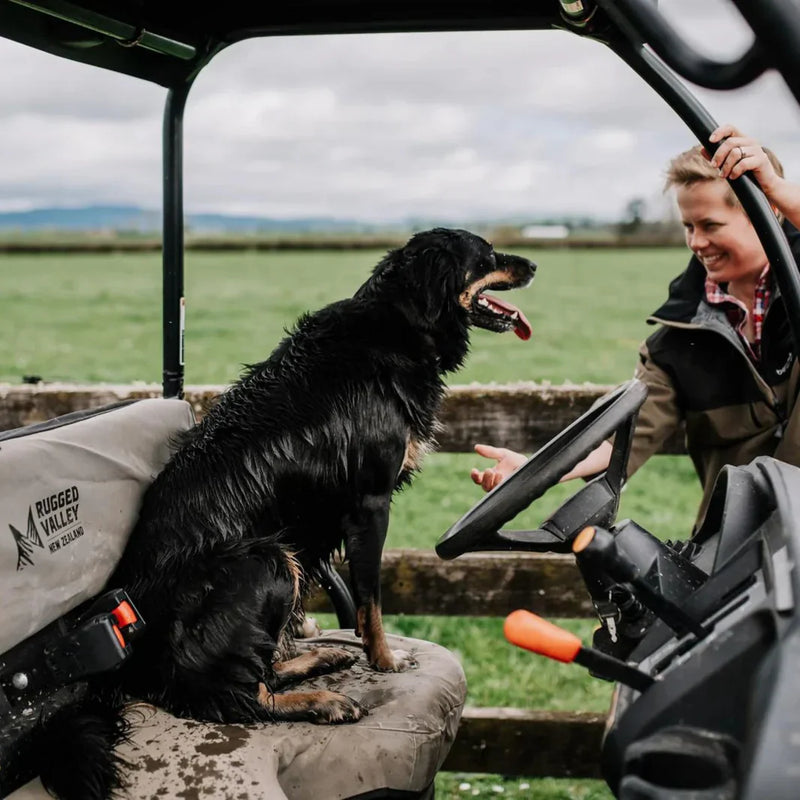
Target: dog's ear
(425, 280)
(426, 275)
(435, 278)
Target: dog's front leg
(365, 533)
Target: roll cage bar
(169, 43)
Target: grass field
(97, 317)
(89, 318)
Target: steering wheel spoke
(594, 504)
(540, 540)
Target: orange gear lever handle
(531, 632)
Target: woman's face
(720, 235)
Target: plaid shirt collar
(736, 310)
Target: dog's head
(441, 278)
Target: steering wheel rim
(541, 471)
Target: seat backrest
(70, 494)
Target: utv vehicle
(701, 636)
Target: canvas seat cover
(70, 497)
(412, 722)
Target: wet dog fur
(298, 460)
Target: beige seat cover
(412, 722)
(70, 497)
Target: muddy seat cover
(70, 496)
(412, 722)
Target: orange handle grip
(530, 632)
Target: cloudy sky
(452, 126)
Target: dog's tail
(75, 749)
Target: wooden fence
(523, 415)
(507, 741)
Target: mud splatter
(223, 740)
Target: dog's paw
(395, 661)
(336, 709)
(331, 659)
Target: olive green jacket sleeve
(659, 417)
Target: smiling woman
(718, 231)
(723, 362)
(721, 236)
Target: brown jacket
(700, 376)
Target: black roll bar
(172, 254)
(124, 33)
(776, 26)
(640, 19)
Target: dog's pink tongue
(521, 325)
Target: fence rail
(523, 416)
(477, 585)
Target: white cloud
(451, 125)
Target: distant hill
(135, 224)
(140, 220)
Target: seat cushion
(412, 722)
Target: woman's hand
(507, 462)
(738, 154)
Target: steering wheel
(596, 503)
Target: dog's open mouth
(488, 311)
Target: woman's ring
(741, 153)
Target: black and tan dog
(295, 461)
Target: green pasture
(96, 318)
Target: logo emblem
(53, 524)
(26, 542)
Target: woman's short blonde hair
(692, 166)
